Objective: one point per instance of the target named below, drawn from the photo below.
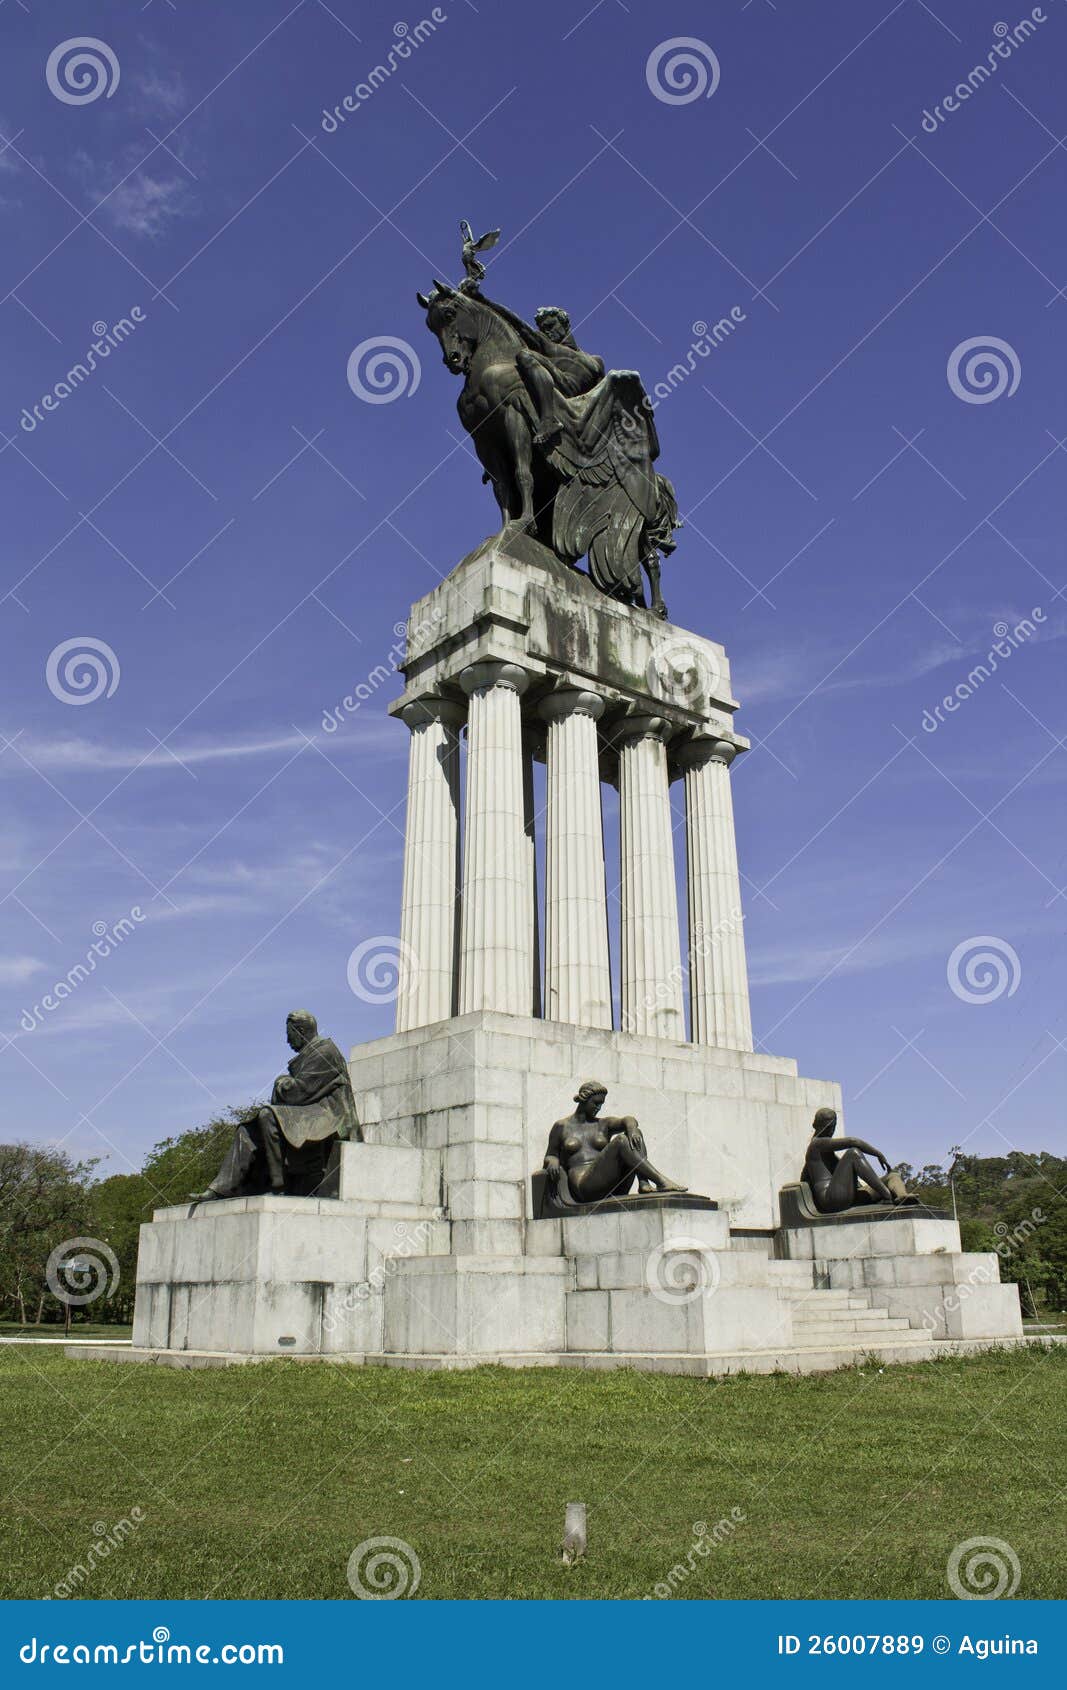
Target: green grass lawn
(260, 1481)
(80, 1329)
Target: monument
(449, 1237)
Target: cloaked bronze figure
(839, 1175)
(285, 1145)
(592, 1156)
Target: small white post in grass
(574, 1533)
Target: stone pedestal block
(275, 1275)
(466, 1307)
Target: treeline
(1015, 1205)
(49, 1202)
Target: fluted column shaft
(496, 969)
(577, 969)
(718, 972)
(651, 968)
(430, 900)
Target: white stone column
(430, 904)
(496, 965)
(718, 972)
(577, 969)
(651, 962)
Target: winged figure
(475, 271)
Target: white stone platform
(380, 1278)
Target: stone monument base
(430, 1254)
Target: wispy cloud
(160, 93)
(9, 160)
(75, 754)
(143, 201)
(773, 676)
(15, 969)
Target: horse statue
(568, 448)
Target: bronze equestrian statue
(568, 448)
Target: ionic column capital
(423, 712)
(570, 701)
(482, 677)
(633, 728)
(694, 753)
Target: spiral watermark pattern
(82, 70)
(382, 969)
(682, 70)
(383, 1569)
(983, 968)
(81, 1270)
(681, 1271)
(982, 369)
(983, 1569)
(384, 368)
(81, 670)
(683, 672)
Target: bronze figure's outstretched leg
(258, 1139)
(852, 1167)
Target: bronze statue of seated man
(592, 1156)
(839, 1175)
(284, 1147)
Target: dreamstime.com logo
(406, 1243)
(382, 969)
(105, 1539)
(106, 340)
(682, 70)
(81, 670)
(682, 672)
(983, 968)
(1009, 1239)
(82, 70)
(983, 369)
(155, 1651)
(983, 1569)
(406, 41)
(383, 1569)
(681, 1271)
(82, 1270)
(1007, 640)
(107, 939)
(384, 368)
(1006, 40)
(408, 635)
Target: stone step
(813, 1309)
(838, 1332)
(826, 1299)
(809, 1313)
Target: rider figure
(569, 372)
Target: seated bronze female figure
(591, 1156)
(839, 1174)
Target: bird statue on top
(568, 448)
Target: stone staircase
(845, 1319)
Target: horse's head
(454, 320)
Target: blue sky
(217, 507)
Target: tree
(44, 1202)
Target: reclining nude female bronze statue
(838, 1174)
(592, 1156)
